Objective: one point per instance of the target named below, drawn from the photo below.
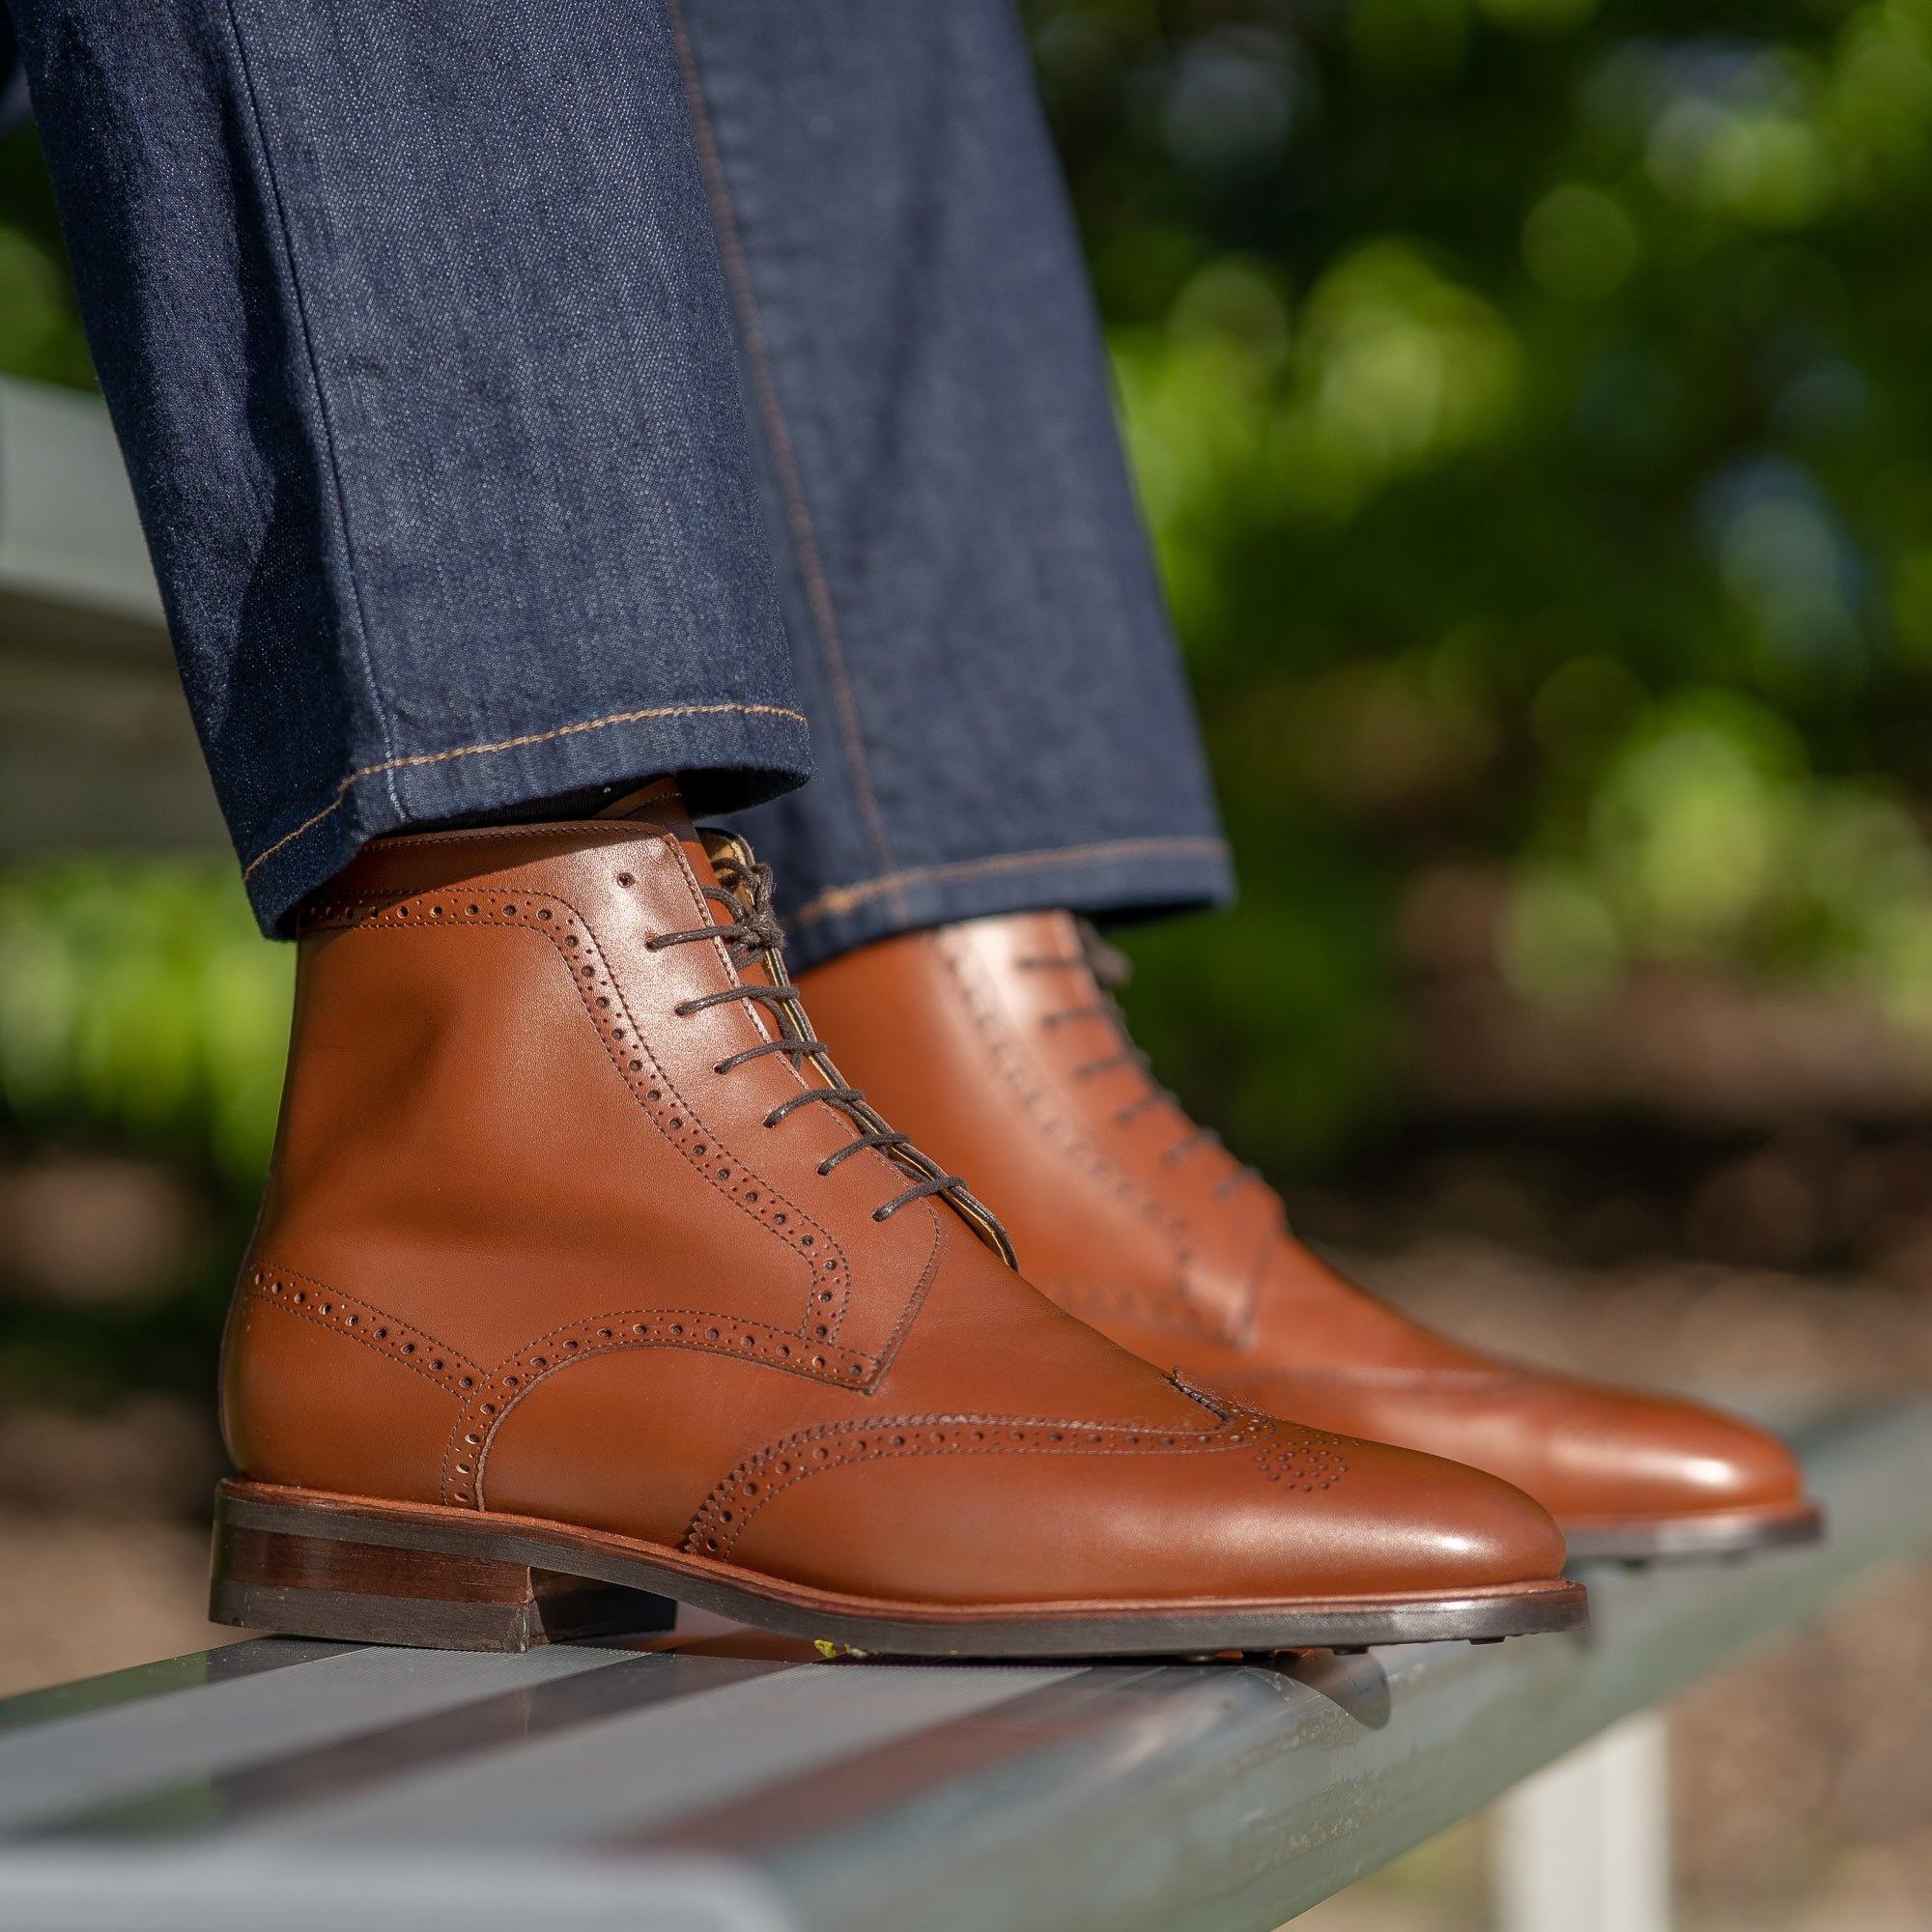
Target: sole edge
(837, 1625)
(1694, 1539)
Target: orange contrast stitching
(513, 744)
(835, 900)
(785, 458)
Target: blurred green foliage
(1528, 399)
(138, 1000)
(39, 327)
(140, 1013)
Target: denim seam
(798, 514)
(511, 745)
(377, 705)
(837, 899)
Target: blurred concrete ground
(104, 1547)
(84, 1596)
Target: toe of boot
(1619, 1468)
(1269, 1511)
(1410, 1520)
(1648, 1456)
(1593, 1455)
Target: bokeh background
(1531, 406)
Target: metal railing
(580, 1787)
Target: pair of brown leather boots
(585, 1282)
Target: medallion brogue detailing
(1290, 1452)
(487, 1405)
(1309, 1458)
(361, 1321)
(554, 919)
(837, 1445)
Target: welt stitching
(513, 744)
(834, 900)
(322, 403)
(784, 459)
(343, 914)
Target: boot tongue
(661, 804)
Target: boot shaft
(994, 1042)
(504, 1118)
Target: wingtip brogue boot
(994, 1042)
(582, 1282)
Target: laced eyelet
(754, 932)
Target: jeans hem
(748, 752)
(1141, 876)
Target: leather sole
(1689, 1538)
(313, 1564)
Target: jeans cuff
(1141, 876)
(748, 752)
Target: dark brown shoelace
(754, 932)
(1109, 968)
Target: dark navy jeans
(522, 398)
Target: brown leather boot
(993, 1042)
(580, 1275)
